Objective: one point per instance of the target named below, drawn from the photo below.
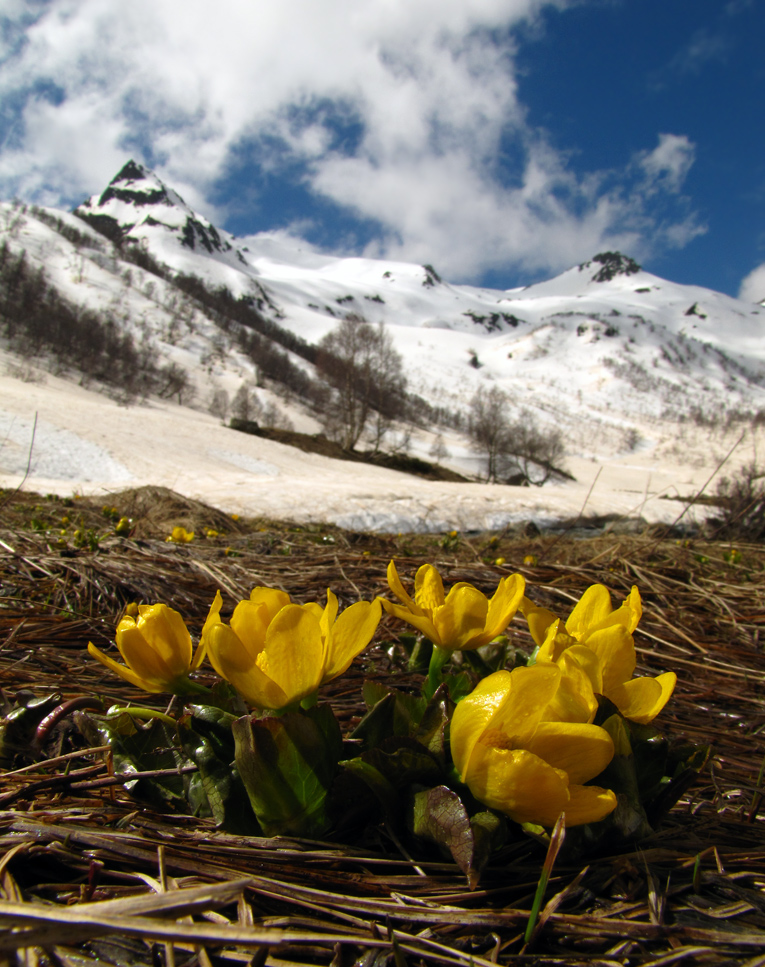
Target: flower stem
(438, 659)
(137, 712)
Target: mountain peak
(138, 205)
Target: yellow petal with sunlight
(616, 650)
(592, 609)
(394, 583)
(419, 621)
(539, 621)
(272, 598)
(461, 619)
(350, 635)
(428, 588)
(139, 655)
(165, 631)
(503, 604)
(231, 661)
(582, 751)
(575, 700)
(555, 643)
(588, 804)
(127, 674)
(641, 699)
(293, 655)
(531, 690)
(473, 714)
(329, 614)
(519, 783)
(250, 622)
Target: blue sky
(500, 140)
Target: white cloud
(753, 286)
(430, 85)
(669, 162)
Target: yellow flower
(499, 561)
(275, 653)
(530, 560)
(597, 642)
(180, 536)
(465, 618)
(513, 759)
(156, 649)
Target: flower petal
(592, 609)
(641, 699)
(575, 700)
(250, 622)
(518, 783)
(531, 690)
(539, 620)
(140, 656)
(165, 631)
(588, 804)
(461, 619)
(504, 603)
(419, 621)
(428, 588)
(554, 643)
(293, 655)
(127, 674)
(231, 661)
(616, 650)
(272, 598)
(582, 751)
(350, 635)
(329, 614)
(394, 583)
(473, 714)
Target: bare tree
(518, 449)
(245, 405)
(535, 454)
(360, 363)
(438, 450)
(219, 403)
(488, 427)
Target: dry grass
(89, 874)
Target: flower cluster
(524, 741)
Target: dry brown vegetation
(90, 874)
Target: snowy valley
(649, 382)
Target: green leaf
(405, 762)
(393, 713)
(439, 816)
(207, 740)
(143, 748)
(287, 764)
(17, 730)
(375, 781)
(433, 724)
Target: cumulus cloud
(669, 162)
(753, 286)
(396, 110)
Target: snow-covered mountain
(597, 348)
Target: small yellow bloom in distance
(276, 653)
(598, 639)
(180, 536)
(462, 620)
(499, 561)
(513, 759)
(157, 651)
(530, 560)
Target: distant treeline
(36, 321)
